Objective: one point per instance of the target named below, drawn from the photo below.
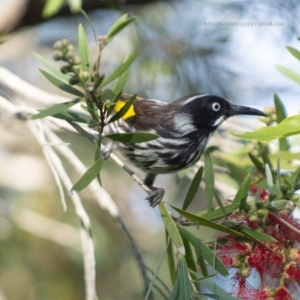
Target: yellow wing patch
(130, 112)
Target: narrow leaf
(189, 257)
(202, 250)
(257, 235)
(132, 137)
(51, 67)
(120, 70)
(83, 49)
(185, 290)
(218, 212)
(209, 181)
(55, 109)
(280, 109)
(73, 117)
(82, 131)
(296, 178)
(170, 226)
(88, 176)
(62, 85)
(123, 110)
(278, 170)
(220, 203)
(294, 52)
(289, 73)
(281, 115)
(120, 24)
(75, 5)
(121, 80)
(269, 178)
(175, 292)
(243, 190)
(52, 7)
(171, 258)
(258, 164)
(266, 159)
(205, 222)
(288, 127)
(193, 188)
(155, 275)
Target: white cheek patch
(219, 121)
(183, 123)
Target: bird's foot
(155, 196)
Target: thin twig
(36, 128)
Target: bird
(184, 127)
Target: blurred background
(187, 46)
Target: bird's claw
(155, 196)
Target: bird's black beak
(244, 110)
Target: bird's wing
(144, 114)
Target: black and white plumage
(184, 127)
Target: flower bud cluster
(65, 51)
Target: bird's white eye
(216, 106)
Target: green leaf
(258, 164)
(189, 257)
(213, 287)
(171, 259)
(266, 159)
(132, 137)
(202, 250)
(55, 109)
(175, 292)
(257, 235)
(123, 110)
(185, 291)
(294, 52)
(120, 24)
(62, 85)
(83, 49)
(296, 178)
(281, 115)
(51, 67)
(278, 170)
(205, 222)
(220, 203)
(82, 131)
(193, 189)
(52, 7)
(72, 117)
(289, 73)
(88, 176)
(155, 275)
(269, 178)
(209, 181)
(98, 82)
(121, 80)
(242, 192)
(288, 183)
(120, 70)
(170, 226)
(288, 127)
(218, 213)
(280, 109)
(75, 5)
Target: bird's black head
(209, 111)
